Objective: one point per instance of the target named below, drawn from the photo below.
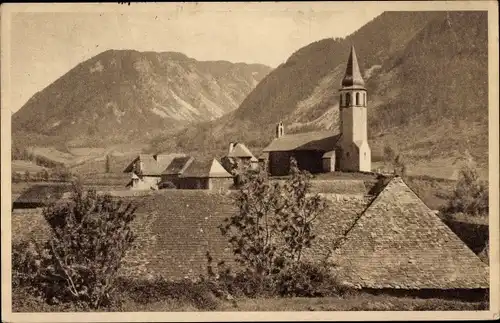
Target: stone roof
(319, 140)
(177, 165)
(352, 77)
(240, 151)
(41, 195)
(205, 168)
(153, 164)
(399, 243)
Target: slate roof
(153, 164)
(399, 243)
(205, 168)
(177, 165)
(352, 77)
(164, 160)
(240, 151)
(41, 195)
(319, 140)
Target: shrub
(272, 228)
(470, 195)
(305, 279)
(79, 263)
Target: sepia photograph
(249, 161)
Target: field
(77, 156)
(23, 166)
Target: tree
(395, 160)
(27, 176)
(62, 173)
(389, 154)
(108, 164)
(399, 166)
(274, 223)
(45, 175)
(90, 235)
(16, 177)
(299, 212)
(470, 195)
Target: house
(326, 151)
(388, 240)
(200, 173)
(238, 153)
(205, 174)
(173, 172)
(146, 170)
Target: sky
(46, 45)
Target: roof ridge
(346, 232)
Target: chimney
(280, 130)
(231, 147)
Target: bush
(79, 262)
(199, 294)
(305, 279)
(269, 233)
(470, 195)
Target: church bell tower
(355, 153)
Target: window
(358, 102)
(364, 99)
(348, 99)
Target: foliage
(62, 173)
(396, 161)
(274, 224)
(389, 154)
(16, 177)
(297, 279)
(470, 195)
(79, 263)
(108, 164)
(27, 176)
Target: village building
(326, 151)
(190, 173)
(239, 154)
(145, 170)
(40, 195)
(173, 172)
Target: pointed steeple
(353, 76)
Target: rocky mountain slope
(125, 95)
(426, 74)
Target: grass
(24, 165)
(207, 301)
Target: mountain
(426, 75)
(124, 95)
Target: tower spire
(353, 76)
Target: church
(324, 151)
